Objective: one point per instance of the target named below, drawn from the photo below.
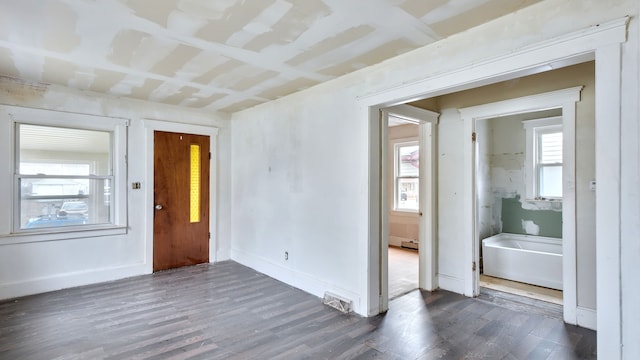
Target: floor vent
(337, 302)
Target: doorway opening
(511, 188)
(518, 164)
(404, 205)
(407, 252)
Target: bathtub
(529, 259)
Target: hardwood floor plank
(228, 311)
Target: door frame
(602, 43)
(151, 125)
(427, 123)
(566, 100)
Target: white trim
(521, 105)
(427, 276)
(69, 280)
(150, 126)
(52, 234)
(587, 318)
(64, 118)
(412, 113)
(565, 50)
(451, 283)
(118, 152)
(608, 194)
(531, 174)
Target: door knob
(158, 207)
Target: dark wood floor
(228, 311)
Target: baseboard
(587, 318)
(451, 283)
(295, 278)
(69, 280)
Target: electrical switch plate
(592, 185)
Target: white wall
(300, 186)
(300, 169)
(28, 266)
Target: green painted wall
(549, 221)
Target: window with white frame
(543, 158)
(68, 174)
(406, 179)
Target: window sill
(62, 234)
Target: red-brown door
(181, 195)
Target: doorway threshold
(520, 303)
(522, 289)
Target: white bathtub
(529, 259)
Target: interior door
(181, 200)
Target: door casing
(602, 42)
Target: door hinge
(209, 155)
(209, 236)
(473, 136)
(473, 266)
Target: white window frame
(10, 231)
(397, 177)
(533, 129)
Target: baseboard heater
(410, 244)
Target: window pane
(407, 196)
(551, 148)
(551, 181)
(194, 190)
(46, 150)
(408, 160)
(56, 202)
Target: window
(543, 172)
(406, 179)
(69, 173)
(63, 176)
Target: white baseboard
(451, 283)
(295, 278)
(69, 280)
(587, 318)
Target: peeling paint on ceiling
(221, 55)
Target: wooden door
(181, 200)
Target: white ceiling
(223, 55)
